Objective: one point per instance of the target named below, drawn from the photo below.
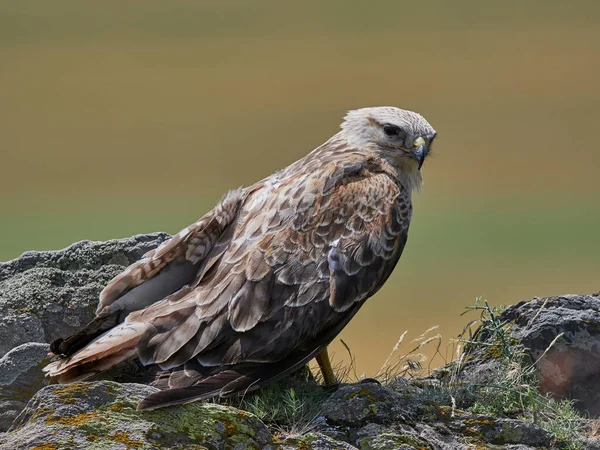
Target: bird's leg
(325, 365)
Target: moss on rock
(394, 441)
(102, 415)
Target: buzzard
(264, 282)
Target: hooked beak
(419, 151)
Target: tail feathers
(83, 371)
(83, 337)
(223, 384)
(227, 383)
(107, 350)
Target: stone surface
(20, 379)
(567, 367)
(45, 295)
(591, 444)
(355, 405)
(571, 367)
(311, 441)
(391, 440)
(102, 415)
(20, 360)
(373, 417)
(499, 431)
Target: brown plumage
(263, 282)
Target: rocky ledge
(529, 379)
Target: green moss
(195, 423)
(371, 410)
(390, 441)
(510, 435)
(363, 392)
(301, 442)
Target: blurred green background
(125, 117)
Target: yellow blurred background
(125, 117)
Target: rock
(103, 415)
(570, 369)
(567, 367)
(356, 404)
(374, 417)
(311, 441)
(20, 379)
(9, 409)
(439, 437)
(20, 359)
(45, 295)
(371, 429)
(591, 443)
(392, 441)
(499, 431)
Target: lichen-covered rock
(432, 436)
(357, 404)
(45, 295)
(499, 431)
(567, 367)
(311, 441)
(571, 367)
(402, 416)
(591, 443)
(102, 415)
(393, 441)
(439, 437)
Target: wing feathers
(173, 276)
(192, 244)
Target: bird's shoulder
(319, 185)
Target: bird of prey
(264, 282)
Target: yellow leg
(325, 365)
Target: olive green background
(124, 117)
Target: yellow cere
(419, 142)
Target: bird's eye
(391, 130)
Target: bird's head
(404, 137)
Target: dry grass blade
(409, 362)
(538, 313)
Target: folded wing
(278, 284)
(165, 271)
(286, 286)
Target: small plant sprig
(289, 406)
